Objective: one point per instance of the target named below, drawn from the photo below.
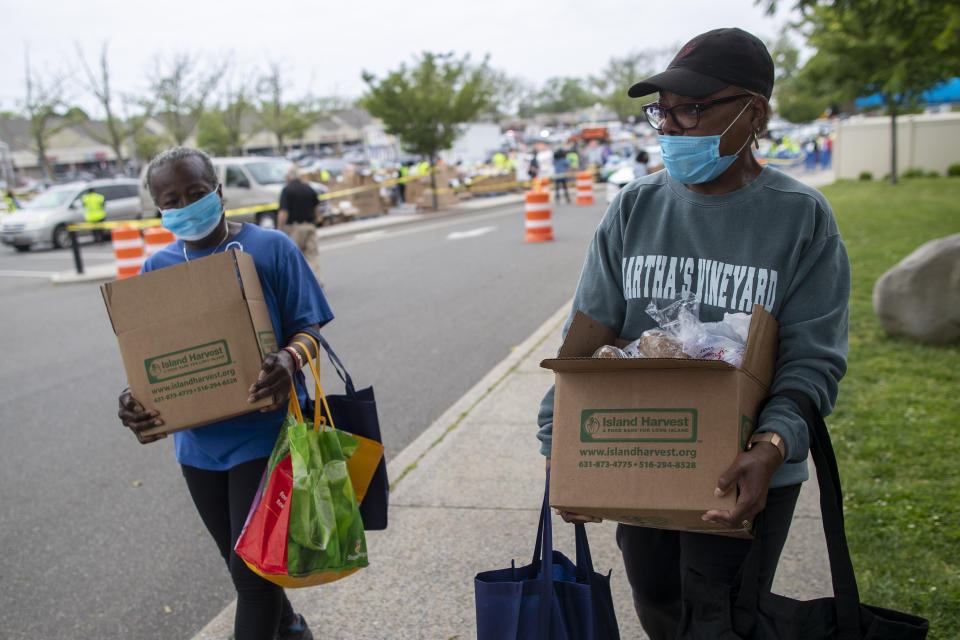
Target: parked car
(247, 181)
(45, 218)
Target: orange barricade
(584, 188)
(539, 228)
(157, 238)
(541, 183)
(128, 251)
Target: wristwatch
(772, 438)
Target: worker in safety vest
(573, 159)
(401, 188)
(499, 161)
(10, 201)
(93, 208)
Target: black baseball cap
(713, 61)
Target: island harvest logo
(593, 425)
(187, 361)
(638, 425)
(268, 342)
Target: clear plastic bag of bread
(681, 334)
(609, 351)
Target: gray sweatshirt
(774, 242)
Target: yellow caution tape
(273, 206)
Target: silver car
(44, 220)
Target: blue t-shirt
(295, 300)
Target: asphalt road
(99, 536)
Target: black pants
(655, 560)
(561, 182)
(223, 499)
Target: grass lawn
(896, 428)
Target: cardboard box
(192, 337)
(643, 441)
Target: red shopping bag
(265, 532)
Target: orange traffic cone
(584, 188)
(539, 228)
(541, 183)
(128, 251)
(157, 238)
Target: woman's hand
(133, 416)
(276, 372)
(750, 473)
(569, 516)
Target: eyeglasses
(685, 114)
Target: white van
(248, 181)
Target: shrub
(953, 170)
(865, 176)
(912, 173)
(933, 174)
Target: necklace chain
(225, 236)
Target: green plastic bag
(326, 531)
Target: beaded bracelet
(296, 355)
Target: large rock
(920, 296)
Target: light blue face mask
(196, 220)
(697, 159)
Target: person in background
(573, 158)
(640, 163)
(827, 150)
(12, 203)
(560, 168)
(297, 217)
(93, 212)
(717, 209)
(223, 462)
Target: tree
(617, 77)
(99, 87)
(898, 49)
(561, 95)
(284, 119)
(181, 91)
(506, 94)
(45, 100)
(425, 105)
(224, 131)
(796, 99)
(145, 143)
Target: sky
(323, 47)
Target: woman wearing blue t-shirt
(223, 462)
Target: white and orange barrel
(584, 188)
(156, 238)
(539, 227)
(127, 251)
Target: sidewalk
(466, 499)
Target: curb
(406, 461)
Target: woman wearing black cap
(718, 225)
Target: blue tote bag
(549, 599)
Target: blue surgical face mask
(697, 159)
(196, 220)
